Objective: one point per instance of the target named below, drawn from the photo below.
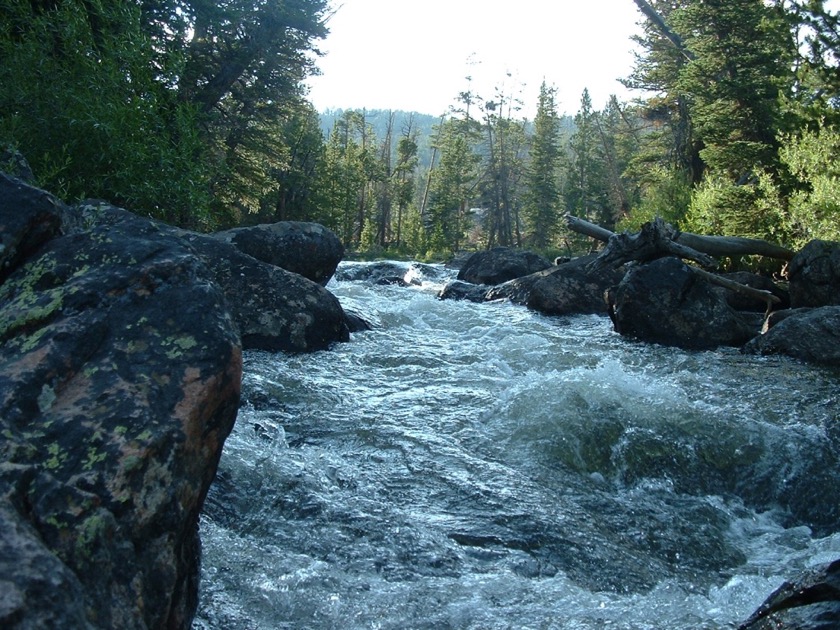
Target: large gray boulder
(665, 302)
(807, 334)
(309, 249)
(498, 265)
(571, 288)
(274, 309)
(814, 275)
(120, 370)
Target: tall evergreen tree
(585, 192)
(452, 185)
(742, 58)
(542, 195)
(503, 169)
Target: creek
(483, 466)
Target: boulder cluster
(667, 301)
(121, 345)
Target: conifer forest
(195, 112)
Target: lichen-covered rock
(665, 302)
(120, 371)
(807, 334)
(501, 264)
(809, 602)
(28, 218)
(814, 275)
(14, 164)
(274, 309)
(308, 249)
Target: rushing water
(482, 466)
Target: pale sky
(415, 55)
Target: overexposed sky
(415, 55)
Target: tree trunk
(657, 238)
(716, 246)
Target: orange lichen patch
(199, 409)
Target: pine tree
(585, 193)
(542, 205)
(742, 57)
(452, 185)
(504, 143)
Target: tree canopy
(175, 108)
(195, 112)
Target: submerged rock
(460, 290)
(810, 602)
(383, 273)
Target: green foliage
(667, 195)
(750, 210)
(452, 185)
(171, 108)
(814, 210)
(542, 193)
(586, 184)
(80, 102)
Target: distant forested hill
(378, 120)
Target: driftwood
(712, 245)
(657, 239)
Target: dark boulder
(807, 334)
(14, 164)
(665, 302)
(517, 290)
(308, 249)
(29, 217)
(274, 309)
(501, 264)
(814, 275)
(741, 302)
(459, 290)
(809, 602)
(571, 288)
(120, 371)
(356, 322)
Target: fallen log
(743, 289)
(716, 246)
(656, 239)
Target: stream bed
(483, 466)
